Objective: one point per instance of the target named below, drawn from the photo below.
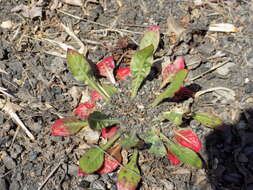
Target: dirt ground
(42, 89)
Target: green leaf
(140, 67)
(174, 117)
(207, 119)
(98, 120)
(175, 85)
(81, 70)
(129, 176)
(185, 155)
(92, 160)
(150, 37)
(157, 146)
(129, 141)
(110, 90)
(78, 66)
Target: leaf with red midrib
(111, 162)
(129, 176)
(67, 126)
(106, 67)
(170, 71)
(189, 139)
(173, 159)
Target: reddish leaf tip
(109, 132)
(105, 68)
(95, 96)
(58, 128)
(110, 164)
(173, 159)
(123, 73)
(189, 139)
(84, 109)
(154, 28)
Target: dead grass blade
(7, 107)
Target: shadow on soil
(230, 155)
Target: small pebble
(3, 185)
(32, 155)
(249, 58)
(91, 177)
(84, 184)
(1, 118)
(98, 184)
(72, 169)
(8, 162)
(14, 185)
(224, 70)
(4, 139)
(248, 88)
(65, 185)
(17, 149)
(243, 158)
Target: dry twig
(210, 70)
(51, 173)
(7, 107)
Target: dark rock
(243, 158)
(249, 58)
(3, 185)
(248, 88)
(8, 162)
(33, 155)
(233, 178)
(84, 184)
(113, 187)
(4, 140)
(16, 150)
(182, 50)
(1, 118)
(14, 185)
(206, 49)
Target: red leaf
(106, 67)
(109, 132)
(95, 96)
(66, 126)
(183, 94)
(155, 28)
(110, 164)
(173, 159)
(81, 172)
(169, 71)
(189, 139)
(123, 73)
(84, 109)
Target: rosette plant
(132, 118)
